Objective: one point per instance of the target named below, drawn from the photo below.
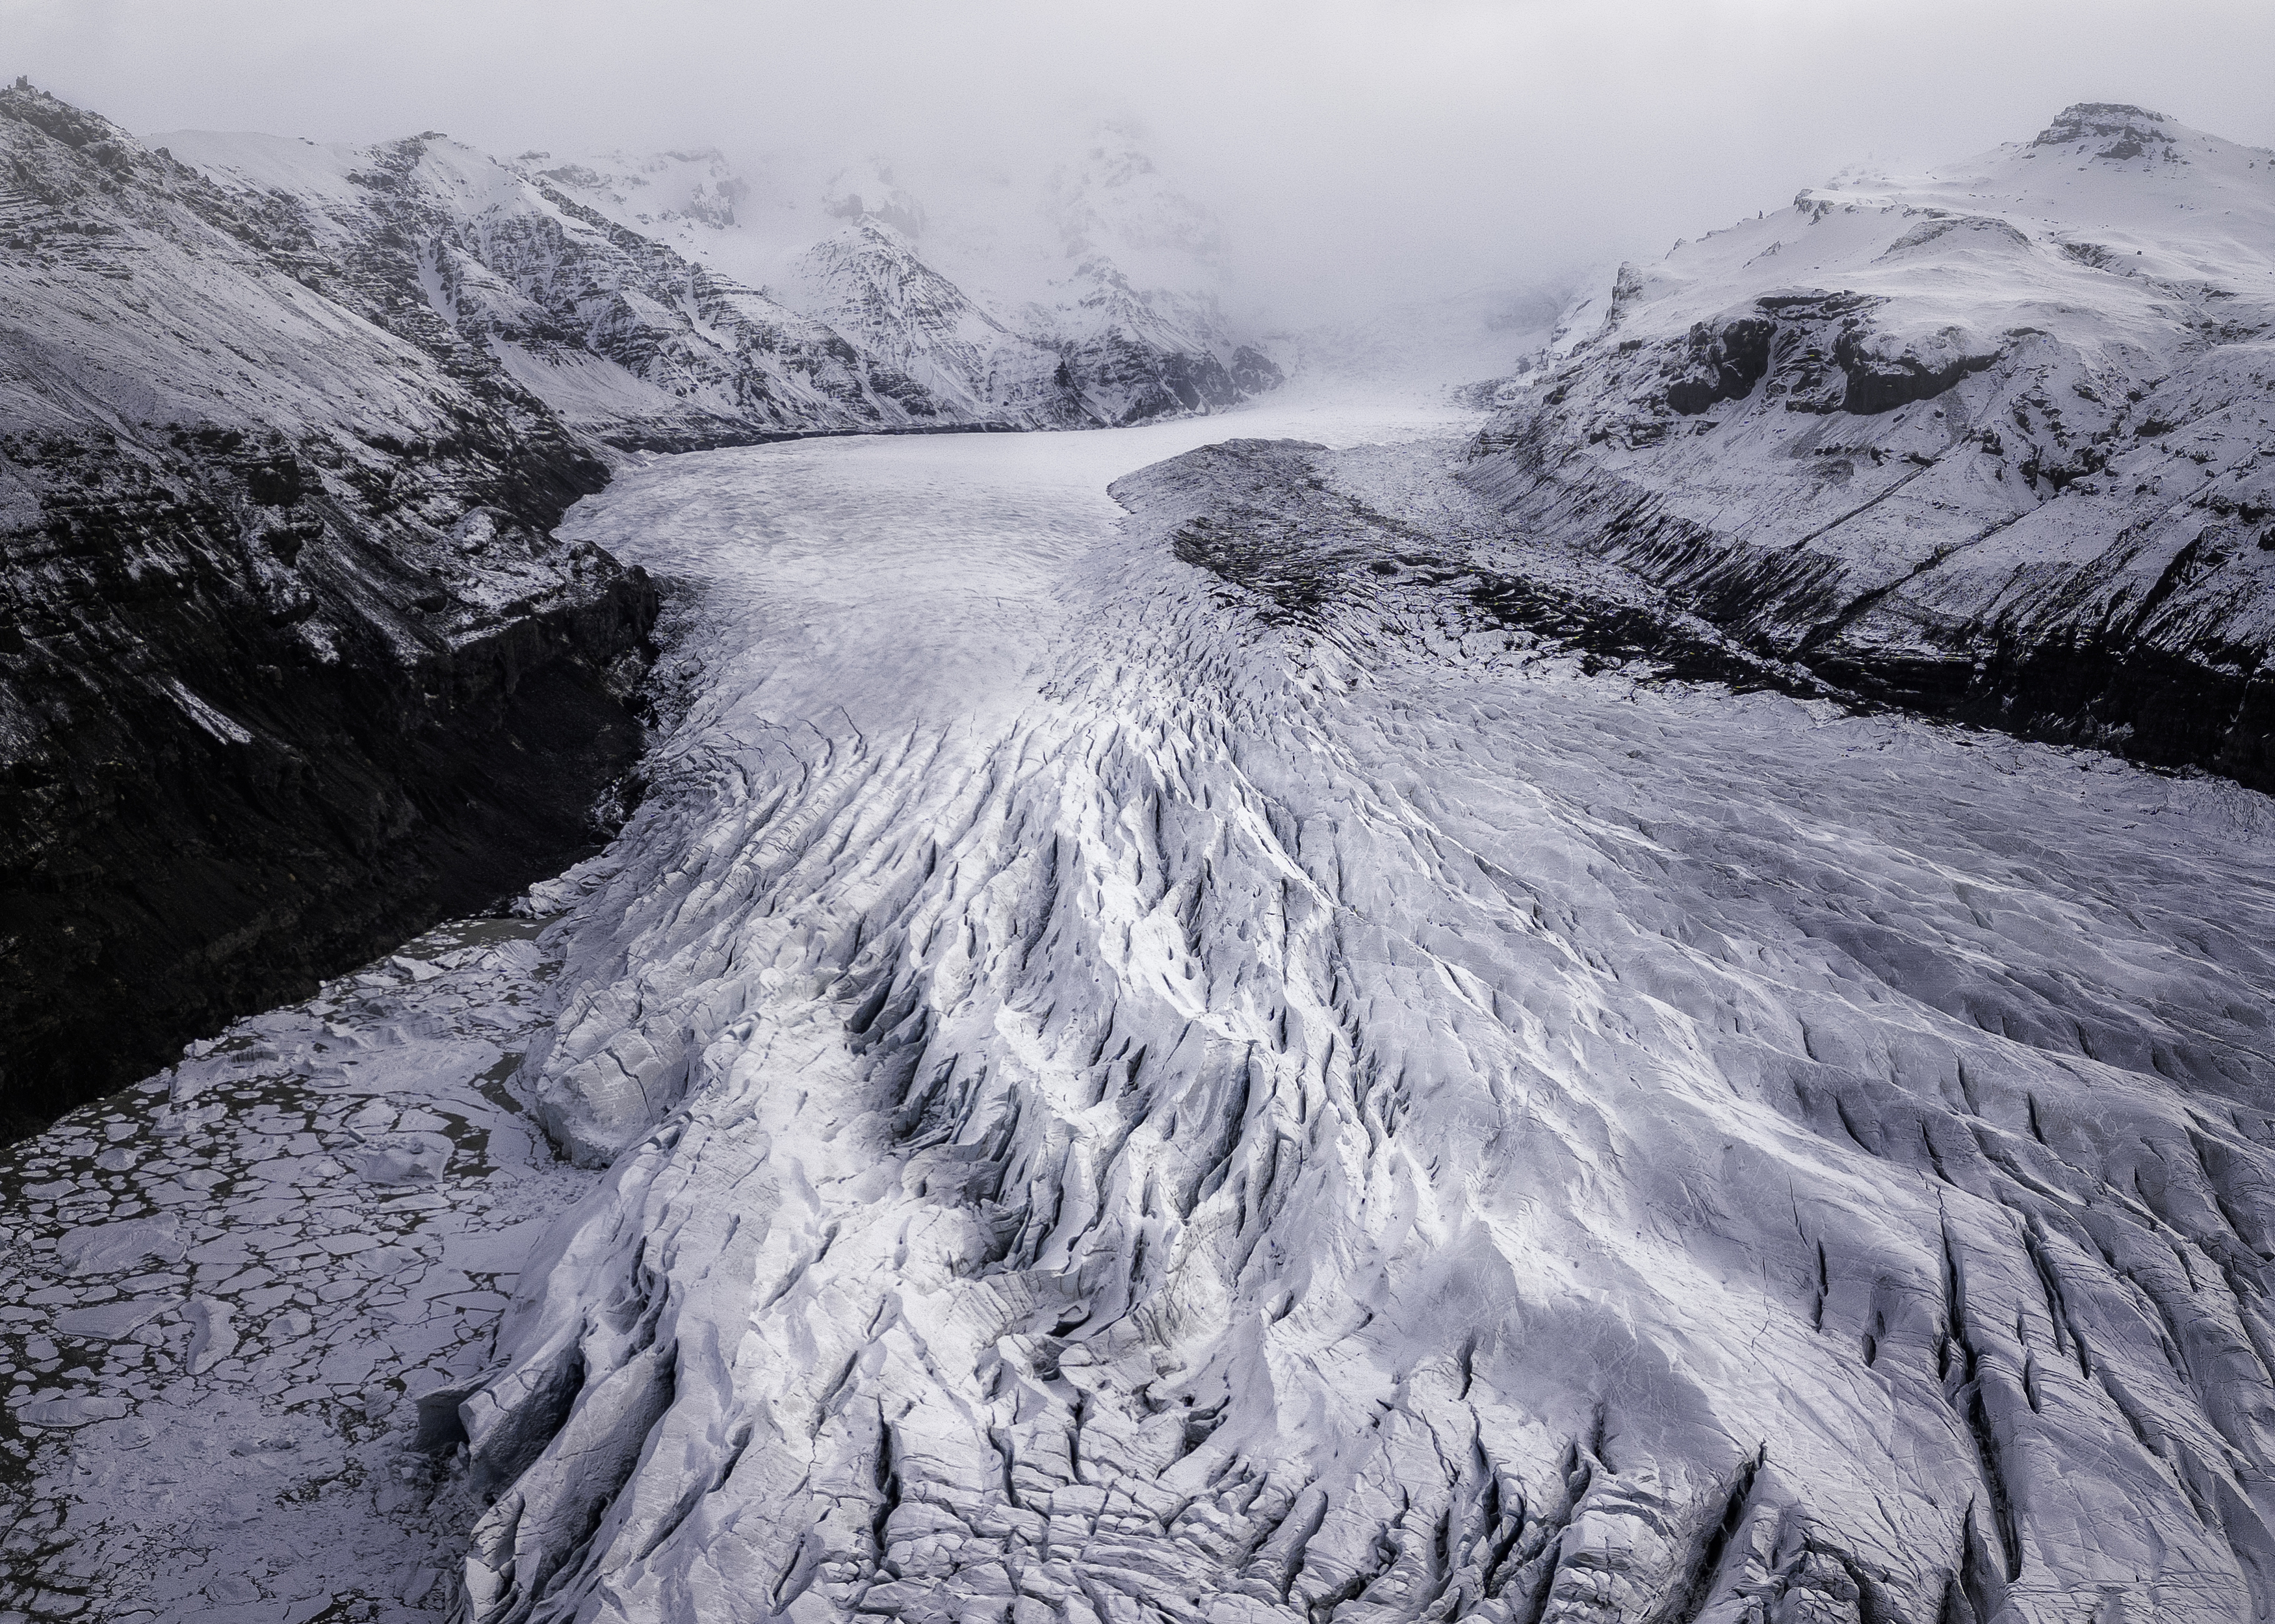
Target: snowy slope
(281, 606)
(626, 340)
(1092, 295)
(868, 282)
(1993, 438)
(1134, 296)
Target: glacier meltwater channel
(1118, 1106)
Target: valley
(1417, 978)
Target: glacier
(1123, 1101)
(1114, 1093)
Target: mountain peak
(868, 191)
(2118, 131)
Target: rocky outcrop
(292, 662)
(1991, 442)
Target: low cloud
(1361, 151)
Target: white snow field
(1122, 1108)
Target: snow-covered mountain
(291, 658)
(1994, 439)
(340, 395)
(625, 340)
(1092, 295)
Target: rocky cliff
(292, 662)
(1992, 441)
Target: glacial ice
(1123, 1105)
(225, 1312)
(1121, 1101)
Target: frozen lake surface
(1121, 1106)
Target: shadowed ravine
(1130, 1103)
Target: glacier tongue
(1125, 1103)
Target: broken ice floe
(221, 1291)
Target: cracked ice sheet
(223, 1289)
(1190, 1116)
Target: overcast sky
(1355, 147)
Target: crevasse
(1124, 1107)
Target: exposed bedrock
(206, 814)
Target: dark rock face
(1878, 383)
(1726, 361)
(1147, 382)
(1253, 371)
(2131, 131)
(292, 663)
(1821, 353)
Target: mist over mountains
(1361, 154)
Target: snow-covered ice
(1167, 1110)
(1122, 1103)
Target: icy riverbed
(1123, 1106)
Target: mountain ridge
(1992, 442)
(1095, 302)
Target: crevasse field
(1119, 1107)
(1215, 1119)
